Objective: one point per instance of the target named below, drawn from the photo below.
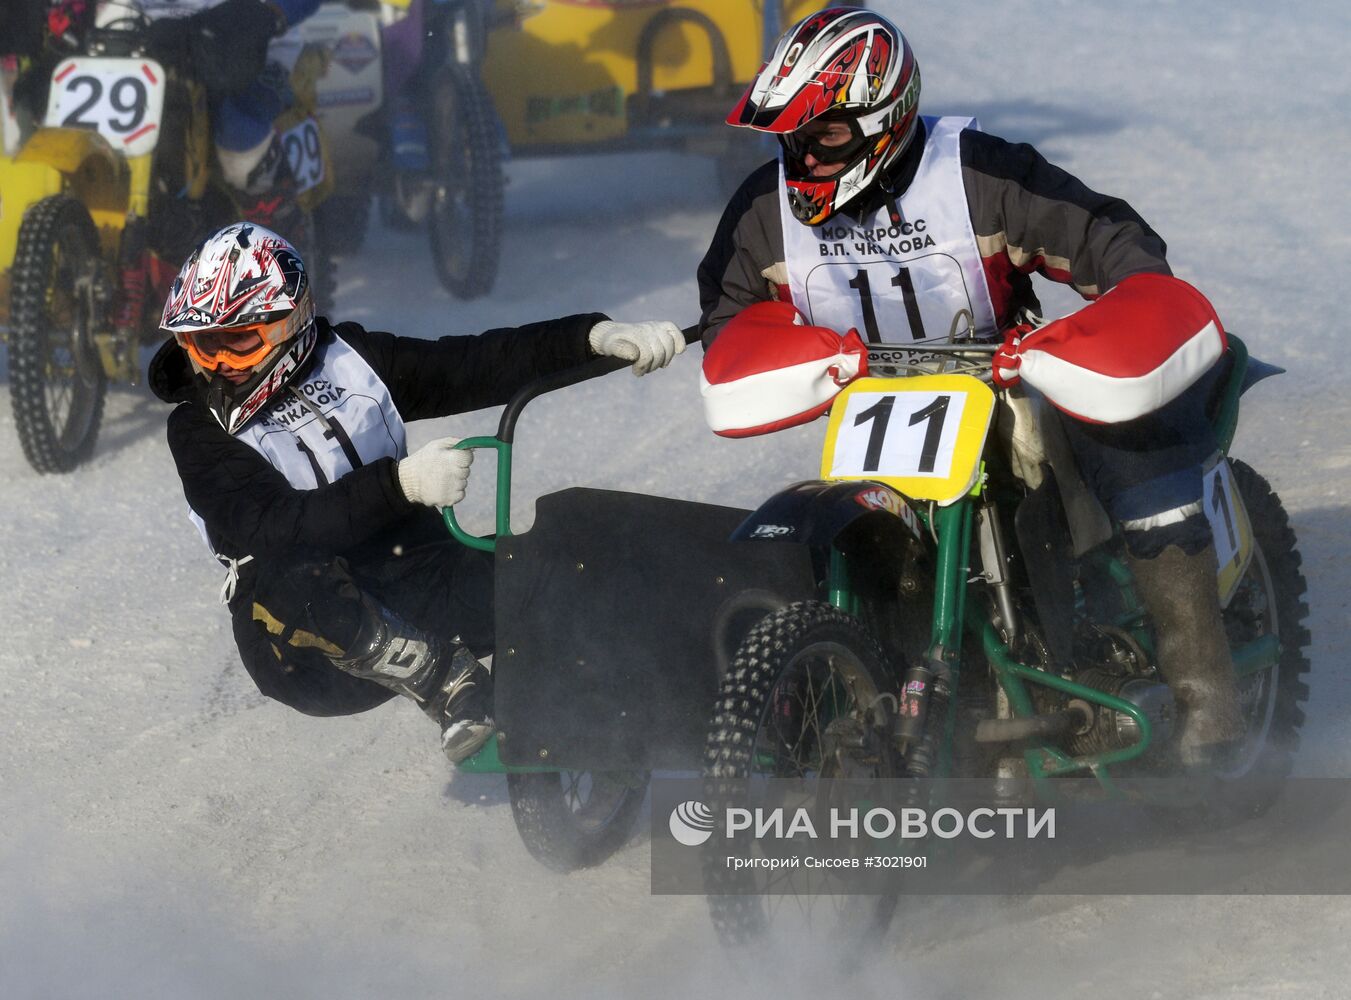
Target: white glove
(649, 345)
(436, 473)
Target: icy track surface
(166, 832)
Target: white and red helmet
(841, 64)
(243, 279)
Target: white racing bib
(916, 282)
(359, 423)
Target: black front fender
(817, 513)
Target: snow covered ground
(166, 832)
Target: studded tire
(1270, 600)
(763, 724)
(57, 382)
(465, 219)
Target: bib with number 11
(918, 280)
(921, 435)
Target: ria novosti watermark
(692, 823)
(770, 835)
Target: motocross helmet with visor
(844, 65)
(242, 310)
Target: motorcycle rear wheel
(798, 676)
(1269, 601)
(57, 382)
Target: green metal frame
(952, 527)
(486, 543)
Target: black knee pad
(309, 601)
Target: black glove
(224, 46)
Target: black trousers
(304, 608)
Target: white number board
(898, 434)
(121, 99)
(923, 299)
(305, 154)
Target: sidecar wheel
(57, 382)
(575, 819)
(798, 676)
(467, 181)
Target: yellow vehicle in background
(581, 75)
(107, 182)
(425, 100)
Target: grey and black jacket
(1028, 215)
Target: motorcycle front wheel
(806, 700)
(1267, 604)
(57, 382)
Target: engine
(1105, 730)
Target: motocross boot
(441, 675)
(1179, 592)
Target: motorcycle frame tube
(1046, 761)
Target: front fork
(926, 710)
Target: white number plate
(898, 434)
(120, 99)
(305, 154)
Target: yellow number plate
(921, 435)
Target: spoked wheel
(467, 181)
(57, 383)
(804, 700)
(575, 819)
(1269, 602)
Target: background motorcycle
(425, 101)
(109, 182)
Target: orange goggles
(235, 347)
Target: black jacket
(251, 509)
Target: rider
(225, 44)
(343, 584)
(958, 219)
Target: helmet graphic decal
(242, 309)
(843, 64)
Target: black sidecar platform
(606, 613)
